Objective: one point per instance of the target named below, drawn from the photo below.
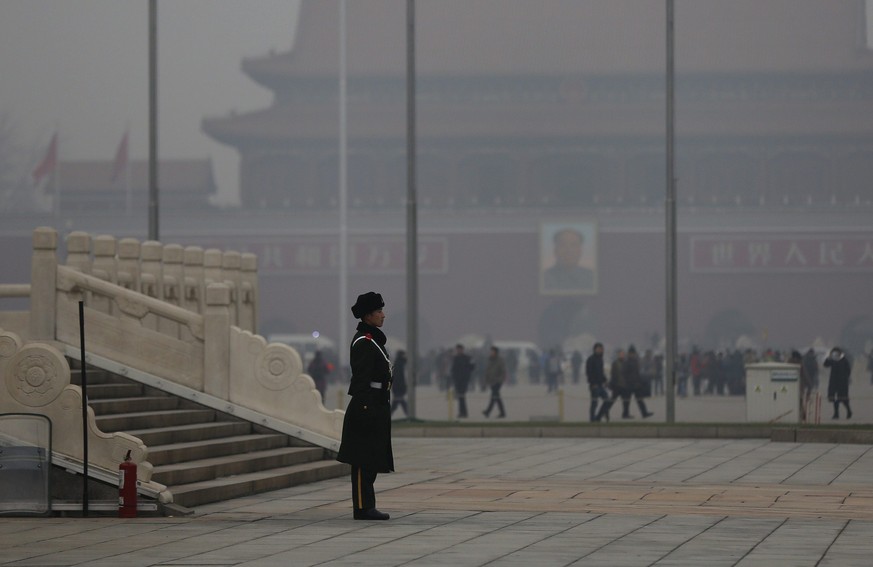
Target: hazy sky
(81, 67)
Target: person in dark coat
(597, 384)
(618, 386)
(318, 371)
(462, 370)
(838, 384)
(366, 441)
(635, 384)
(576, 365)
(398, 387)
(495, 376)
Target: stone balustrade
(181, 319)
(170, 273)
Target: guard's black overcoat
(366, 438)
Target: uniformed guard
(366, 442)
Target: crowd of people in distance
(627, 375)
(630, 376)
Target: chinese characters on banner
(801, 254)
(376, 255)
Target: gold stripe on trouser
(360, 491)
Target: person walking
(682, 376)
(695, 367)
(495, 376)
(597, 384)
(805, 383)
(870, 364)
(576, 365)
(398, 384)
(838, 383)
(553, 370)
(318, 371)
(635, 384)
(648, 369)
(366, 437)
(618, 385)
(462, 369)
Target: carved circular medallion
(36, 375)
(8, 345)
(277, 367)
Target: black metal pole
(670, 205)
(154, 233)
(411, 215)
(84, 410)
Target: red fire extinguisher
(127, 488)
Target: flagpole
(671, 334)
(153, 121)
(342, 335)
(411, 215)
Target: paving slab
(514, 501)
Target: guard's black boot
(625, 410)
(371, 514)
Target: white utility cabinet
(773, 392)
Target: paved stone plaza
(543, 502)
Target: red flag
(120, 163)
(48, 163)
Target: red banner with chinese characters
(775, 254)
(373, 255)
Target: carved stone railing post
(212, 267)
(105, 267)
(79, 251)
(43, 277)
(193, 268)
(151, 276)
(230, 274)
(216, 341)
(172, 284)
(128, 263)
(248, 314)
(79, 258)
(193, 290)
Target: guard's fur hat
(367, 303)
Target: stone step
(208, 448)
(236, 464)
(152, 419)
(191, 432)
(109, 391)
(96, 376)
(203, 455)
(197, 493)
(133, 405)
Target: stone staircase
(200, 454)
